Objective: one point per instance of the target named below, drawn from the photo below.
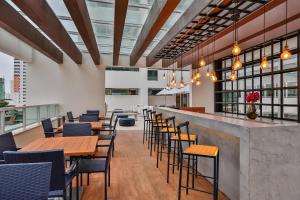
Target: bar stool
(146, 124)
(206, 151)
(186, 137)
(157, 124)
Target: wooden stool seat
(185, 137)
(202, 150)
(171, 130)
(160, 124)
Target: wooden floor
(134, 175)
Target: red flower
(252, 97)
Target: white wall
(162, 100)
(75, 87)
(203, 95)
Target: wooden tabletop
(72, 146)
(95, 126)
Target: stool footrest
(199, 190)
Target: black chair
(88, 118)
(109, 125)
(60, 179)
(109, 136)
(71, 118)
(7, 143)
(99, 164)
(49, 131)
(25, 181)
(77, 129)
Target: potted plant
(251, 98)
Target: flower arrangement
(252, 97)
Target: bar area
(254, 155)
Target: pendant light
(198, 82)
(202, 62)
(286, 54)
(233, 75)
(168, 85)
(213, 75)
(236, 50)
(164, 76)
(237, 64)
(181, 83)
(264, 60)
(192, 72)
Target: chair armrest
(72, 168)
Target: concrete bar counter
(259, 160)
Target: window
(277, 85)
(121, 91)
(152, 75)
(129, 69)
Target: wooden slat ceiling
(16, 24)
(120, 15)
(200, 29)
(43, 16)
(79, 13)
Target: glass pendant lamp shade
(286, 54)
(202, 62)
(192, 80)
(213, 77)
(264, 63)
(168, 86)
(198, 82)
(198, 75)
(164, 76)
(233, 76)
(237, 64)
(207, 74)
(181, 84)
(236, 50)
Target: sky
(6, 69)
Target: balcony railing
(12, 118)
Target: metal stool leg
(188, 174)
(169, 152)
(174, 153)
(179, 184)
(157, 153)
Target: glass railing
(12, 118)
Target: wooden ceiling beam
(188, 16)
(120, 15)
(16, 24)
(44, 17)
(158, 15)
(80, 15)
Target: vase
(251, 111)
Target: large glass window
(152, 75)
(277, 85)
(121, 91)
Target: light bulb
(237, 64)
(202, 62)
(233, 76)
(168, 87)
(207, 74)
(192, 80)
(286, 54)
(213, 77)
(181, 84)
(198, 82)
(174, 74)
(264, 63)
(164, 76)
(236, 50)
(194, 77)
(198, 75)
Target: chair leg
(144, 132)
(179, 184)
(80, 179)
(193, 166)
(105, 186)
(174, 153)
(65, 194)
(77, 187)
(157, 153)
(109, 175)
(168, 165)
(161, 146)
(70, 191)
(113, 149)
(88, 178)
(188, 175)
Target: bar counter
(259, 160)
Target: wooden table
(95, 126)
(72, 146)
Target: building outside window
(121, 91)
(278, 85)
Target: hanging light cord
(286, 15)
(264, 29)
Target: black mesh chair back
(57, 181)
(110, 149)
(152, 115)
(88, 118)
(77, 129)
(158, 118)
(48, 128)
(70, 116)
(115, 123)
(180, 127)
(93, 112)
(145, 113)
(25, 181)
(7, 143)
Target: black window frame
(221, 103)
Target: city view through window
(12, 81)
